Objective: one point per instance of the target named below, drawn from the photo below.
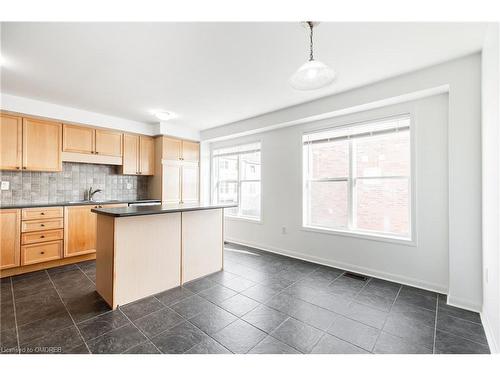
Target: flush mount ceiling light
(163, 115)
(313, 74)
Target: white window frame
(238, 181)
(363, 234)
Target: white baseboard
(347, 266)
(488, 329)
(463, 304)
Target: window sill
(239, 218)
(362, 235)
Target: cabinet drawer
(44, 236)
(42, 213)
(41, 252)
(37, 225)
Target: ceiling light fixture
(163, 115)
(313, 74)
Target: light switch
(5, 185)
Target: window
(236, 178)
(357, 178)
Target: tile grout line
(66, 308)
(15, 315)
(78, 266)
(435, 326)
(142, 333)
(385, 321)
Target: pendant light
(313, 74)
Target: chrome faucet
(90, 193)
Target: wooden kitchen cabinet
(179, 150)
(190, 182)
(180, 182)
(10, 225)
(80, 227)
(171, 182)
(146, 155)
(79, 230)
(108, 142)
(172, 149)
(78, 139)
(130, 154)
(190, 151)
(138, 155)
(41, 252)
(42, 145)
(87, 140)
(30, 144)
(11, 142)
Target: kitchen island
(145, 250)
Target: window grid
(239, 181)
(352, 181)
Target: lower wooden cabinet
(41, 252)
(10, 226)
(80, 227)
(79, 230)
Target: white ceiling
(210, 73)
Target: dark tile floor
(260, 303)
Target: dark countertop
(75, 203)
(160, 209)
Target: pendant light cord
(311, 58)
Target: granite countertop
(77, 203)
(159, 209)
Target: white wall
(464, 277)
(491, 186)
(425, 264)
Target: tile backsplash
(71, 184)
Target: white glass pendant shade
(312, 75)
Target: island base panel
(202, 243)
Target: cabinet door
(10, 227)
(190, 151)
(146, 156)
(108, 143)
(172, 149)
(11, 142)
(78, 139)
(79, 230)
(42, 145)
(171, 183)
(190, 183)
(130, 154)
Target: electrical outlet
(129, 185)
(5, 185)
(283, 230)
(486, 275)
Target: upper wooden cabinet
(108, 142)
(190, 151)
(138, 155)
(11, 142)
(10, 226)
(172, 149)
(30, 144)
(146, 155)
(78, 139)
(86, 140)
(176, 149)
(130, 154)
(42, 141)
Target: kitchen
(263, 192)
